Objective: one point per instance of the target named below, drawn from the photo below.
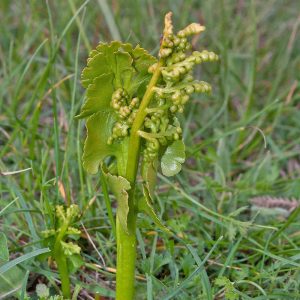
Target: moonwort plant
(64, 252)
(131, 107)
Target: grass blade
(198, 270)
(113, 28)
(21, 259)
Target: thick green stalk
(126, 256)
(61, 262)
(126, 242)
(64, 275)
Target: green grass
(255, 100)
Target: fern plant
(131, 107)
(65, 253)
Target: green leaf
(141, 62)
(124, 70)
(172, 159)
(149, 174)
(119, 187)
(101, 89)
(104, 291)
(4, 254)
(230, 292)
(110, 58)
(75, 262)
(145, 205)
(95, 147)
(110, 66)
(11, 282)
(129, 66)
(7, 266)
(97, 65)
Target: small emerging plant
(132, 103)
(65, 253)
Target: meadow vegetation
(234, 227)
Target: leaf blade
(119, 187)
(145, 206)
(101, 88)
(21, 259)
(172, 159)
(110, 67)
(4, 254)
(95, 146)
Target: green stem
(64, 275)
(126, 241)
(135, 140)
(126, 256)
(61, 262)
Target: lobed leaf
(101, 61)
(128, 65)
(109, 67)
(94, 93)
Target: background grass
(242, 141)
